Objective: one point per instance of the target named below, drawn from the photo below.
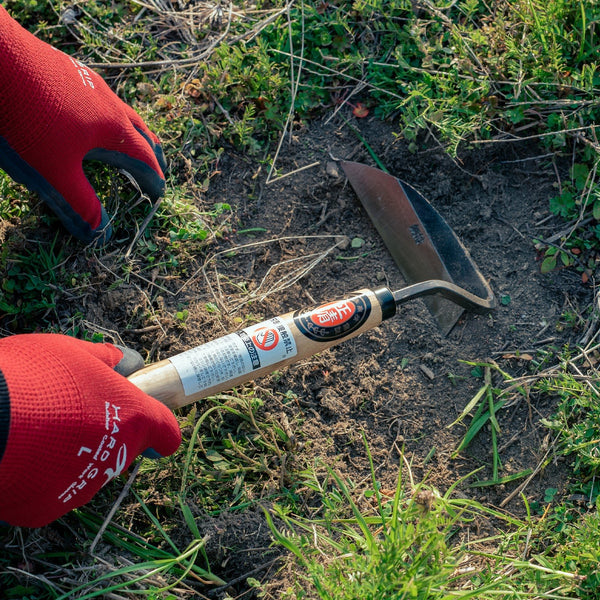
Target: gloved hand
(69, 423)
(54, 113)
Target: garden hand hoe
(432, 260)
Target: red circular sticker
(265, 338)
(333, 314)
(334, 320)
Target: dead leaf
(518, 356)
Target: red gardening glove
(69, 424)
(55, 113)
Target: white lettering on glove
(104, 453)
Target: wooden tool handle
(258, 350)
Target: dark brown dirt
(402, 383)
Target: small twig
(526, 159)
(103, 331)
(314, 164)
(115, 506)
(147, 329)
(295, 82)
(244, 576)
(223, 109)
(142, 227)
(538, 468)
(534, 137)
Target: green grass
(577, 419)
(466, 73)
(411, 542)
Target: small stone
(332, 169)
(427, 371)
(343, 242)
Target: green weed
(406, 543)
(569, 537)
(159, 570)
(32, 283)
(577, 419)
(228, 450)
(483, 410)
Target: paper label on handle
(234, 355)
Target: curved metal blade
(422, 244)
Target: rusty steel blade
(422, 244)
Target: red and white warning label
(234, 355)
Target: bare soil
(402, 383)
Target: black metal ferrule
(4, 414)
(385, 297)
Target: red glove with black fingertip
(54, 114)
(69, 423)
